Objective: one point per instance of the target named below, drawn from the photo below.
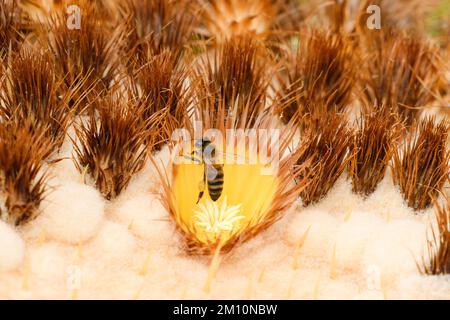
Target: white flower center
(214, 220)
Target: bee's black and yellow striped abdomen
(215, 181)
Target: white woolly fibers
(343, 247)
(319, 229)
(65, 170)
(47, 270)
(396, 248)
(352, 237)
(114, 242)
(145, 217)
(11, 248)
(72, 213)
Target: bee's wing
(211, 172)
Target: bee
(213, 176)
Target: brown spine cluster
(111, 147)
(438, 260)
(87, 57)
(402, 74)
(14, 25)
(373, 146)
(155, 26)
(421, 167)
(237, 78)
(31, 93)
(326, 149)
(319, 76)
(159, 86)
(23, 149)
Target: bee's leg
(201, 187)
(200, 195)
